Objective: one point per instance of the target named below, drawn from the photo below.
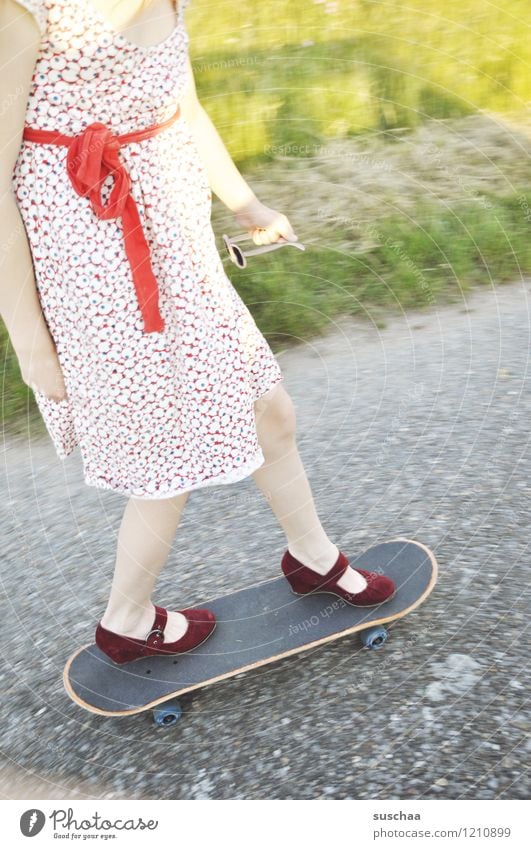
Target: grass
(396, 137)
(436, 257)
(295, 72)
(390, 220)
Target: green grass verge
(295, 72)
(432, 257)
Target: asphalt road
(417, 429)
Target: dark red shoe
(121, 649)
(304, 580)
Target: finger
(260, 236)
(274, 233)
(277, 230)
(284, 229)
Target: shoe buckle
(158, 631)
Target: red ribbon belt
(92, 156)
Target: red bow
(92, 156)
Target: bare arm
(19, 302)
(225, 180)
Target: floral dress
(154, 414)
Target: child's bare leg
(144, 541)
(282, 479)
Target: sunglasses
(238, 256)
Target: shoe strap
(329, 578)
(339, 568)
(156, 635)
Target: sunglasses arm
(262, 249)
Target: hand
(42, 372)
(264, 224)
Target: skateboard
(256, 625)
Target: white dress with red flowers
(160, 413)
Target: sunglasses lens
(238, 256)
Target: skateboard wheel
(168, 714)
(374, 638)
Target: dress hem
(239, 473)
(233, 476)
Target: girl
(136, 345)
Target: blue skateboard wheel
(167, 714)
(374, 638)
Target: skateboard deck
(256, 625)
